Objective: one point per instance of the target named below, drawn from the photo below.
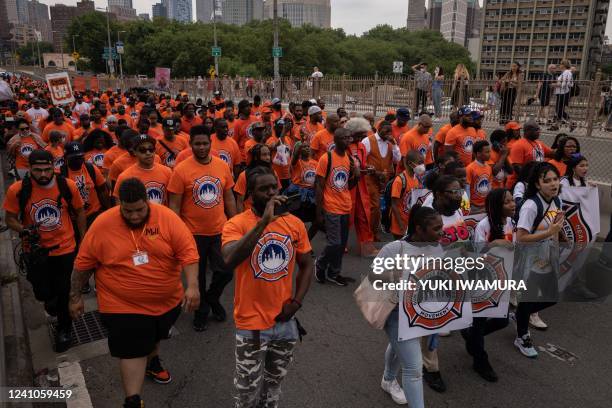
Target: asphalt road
(340, 362)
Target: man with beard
(529, 147)
(461, 138)
(137, 251)
(189, 118)
(264, 244)
(59, 123)
(201, 193)
(41, 204)
(84, 129)
(323, 140)
(312, 125)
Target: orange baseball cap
(513, 126)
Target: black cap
(169, 122)
(40, 156)
(74, 149)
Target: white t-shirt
(317, 74)
(452, 225)
(483, 230)
(565, 182)
(565, 82)
(529, 212)
(37, 115)
(519, 191)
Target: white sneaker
(536, 322)
(394, 389)
(525, 346)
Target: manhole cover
(85, 330)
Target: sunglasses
(457, 191)
(24, 128)
(146, 150)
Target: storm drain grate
(87, 329)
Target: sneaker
(465, 333)
(200, 323)
(218, 312)
(319, 274)
(536, 322)
(434, 380)
(133, 401)
(394, 389)
(485, 370)
(157, 373)
(86, 289)
(525, 346)
(338, 280)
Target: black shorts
(135, 335)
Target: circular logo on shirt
(46, 213)
(98, 159)
(308, 176)
(578, 231)
(207, 192)
(271, 256)
(155, 192)
(26, 149)
(468, 145)
(423, 150)
(494, 270)
(339, 178)
(482, 185)
(226, 157)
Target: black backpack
(385, 219)
(541, 213)
(26, 192)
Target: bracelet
(297, 301)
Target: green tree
(91, 30)
(28, 54)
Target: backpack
(26, 192)
(540, 211)
(385, 207)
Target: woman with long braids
(423, 233)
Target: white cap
(313, 101)
(313, 110)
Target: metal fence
(379, 94)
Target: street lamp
(76, 67)
(61, 47)
(120, 60)
(111, 62)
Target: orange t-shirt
(241, 134)
(413, 140)
(176, 146)
(127, 118)
(264, 281)
(151, 289)
(202, 187)
(26, 146)
(187, 124)
(396, 192)
(322, 142)
(398, 131)
(309, 130)
(304, 173)
(122, 163)
(441, 137)
(524, 151)
(498, 180)
(79, 132)
(55, 224)
(58, 155)
(65, 128)
(228, 150)
(156, 131)
(562, 167)
(463, 140)
(480, 178)
(87, 188)
(241, 187)
(155, 180)
(336, 194)
(111, 155)
(96, 157)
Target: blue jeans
(437, 101)
(408, 354)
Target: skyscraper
(22, 11)
(416, 15)
(453, 20)
(159, 10)
(300, 12)
(538, 33)
(120, 3)
(434, 14)
(39, 18)
(62, 16)
(11, 11)
(179, 10)
(236, 12)
(204, 10)
(4, 23)
(473, 20)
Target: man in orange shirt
(22, 145)
(323, 140)
(201, 193)
(527, 149)
(419, 138)
(240, 127)
(461, 138)
(479, 176)
(189, 118)
(137, 251)
(59, 123)
(312, 124)
(226, 147)
(336, 175)
(84, 128)
(121, 114)
(277, 109)
(41, 205)
(400, 125)
(155, 176)
(440, 138)
(170, 145)
(264, 244)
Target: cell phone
(292, 204)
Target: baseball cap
(313, 110)
(169, 122)
(140, 139)
(40, 156)
(313, 101)
(464, 111)
(403, 112)
(74, 149)
(513, 126)
(276, 101)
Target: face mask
(419, 170)
(75, 163)
(454, 205)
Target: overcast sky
(354, 16)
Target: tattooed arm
(78, 280)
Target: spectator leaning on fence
(423, 85)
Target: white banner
(498, 267)
(418, 196)
(60, 88)
(471, 221)
(423, 311)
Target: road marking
(559, 353)
(71, 376)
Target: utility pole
(62, 51)
(215, 8)
(120, 60)
(276, 58)
(111, 61)
(38, 49)
(76, 67)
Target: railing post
(375, 97)
(592, 105)
(460, 94)
(343, 86)
(519, 97)
(384, 101)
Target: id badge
(140, 258)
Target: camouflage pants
(260, 369)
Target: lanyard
(137, 241)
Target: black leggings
(547, 284)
